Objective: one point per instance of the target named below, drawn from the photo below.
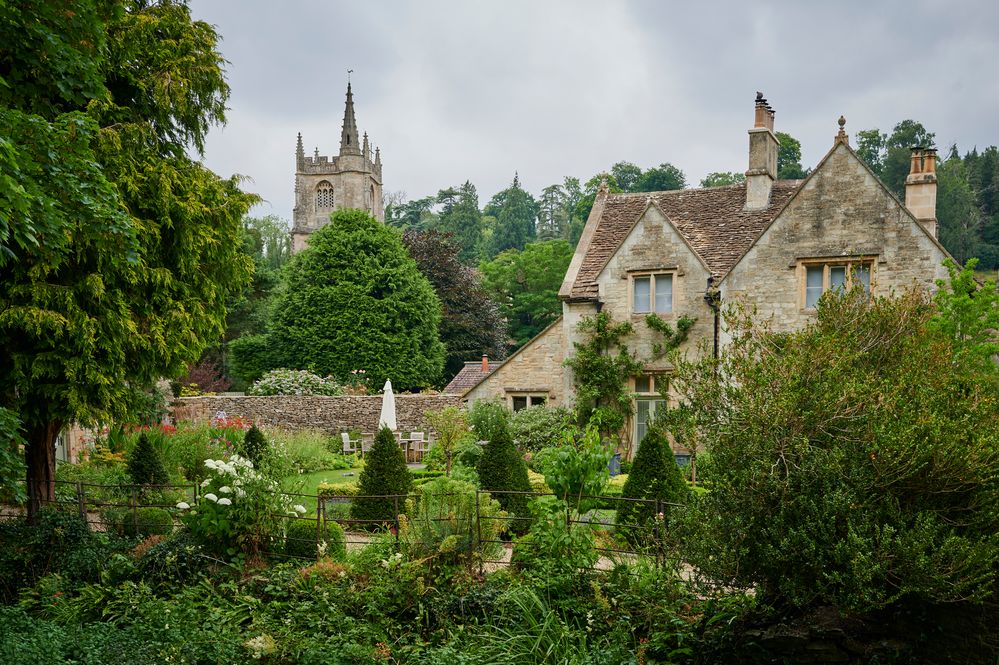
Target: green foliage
(577, 471)
(526, 283)
(789, 158)
(440, 527)
(654, 476)
(460, 217)
(144, 464)
(470, 324)
(538, 427)
(254, 446)
(384, 475)
(671, 338)
(148, 521)
(554, 551)
(11, 460)
(252, 356)
(601, 366)
(721, 179)
(300, 540)
(295, 382)
(855, 467)
(451, 425)
(515, 211)
(173, 561)
(354, 299)
(968, 314)
(661, 178)
(889, 156)
(488, 418)
(502, 470)
(134, 228)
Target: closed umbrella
(387, 417)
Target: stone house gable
(841, 214)
(534, 371)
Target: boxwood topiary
(149, 521)
(254, 445)
(145, 466)
(654, 476)
(300, 539)
(501, 470)
(384, 475)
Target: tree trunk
(40, 457)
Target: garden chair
(418, 444)
(367, 440)
(349, 445)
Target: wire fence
(419, 522)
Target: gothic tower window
(324, 196)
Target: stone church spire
(348, 137)
(300, 154)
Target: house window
(520, 401)
(839, 275)
(649, 390)
(652, 293)
(324, 196)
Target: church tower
(352, 179)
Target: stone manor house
(775, 245)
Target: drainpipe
(713, 298)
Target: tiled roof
(469, 376)
(712, 221)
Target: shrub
(487, 418)
(300, 540)
(144, 464)
(305, 451)
(855, 467)
(451, 425)
(554, 550)
(295, 382)
(148, 521)
(254, 445)
(239, 510)
(654, 477)
(384, 474)
(439, 524)
(537, 427)
(577, 472)
(501, 470)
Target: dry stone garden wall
(330, 414)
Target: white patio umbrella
(387, 417)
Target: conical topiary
(654, 477)
(502, 469)
(384, 475)
(254, 445)
(144, 464)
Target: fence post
(82, 501)
(478, 528)
(395, 500)
(135, 509)
(320, 522)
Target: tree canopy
(120, 250)
(355, 299)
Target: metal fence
(119, 508)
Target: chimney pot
(485, 363)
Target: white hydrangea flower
(300, 509)
(211, 497)
(206, 482)
(211, 464)
(225, 502)
(225, 489)
(240, 493)
(183, 505)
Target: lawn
(306, 483)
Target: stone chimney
(921, 188)
(485, 364)
(763, 146)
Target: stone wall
(330, 414)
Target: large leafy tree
(889, 155)
(661, 178)
(120, 249)
(461, 218)
(355, 299)
(515, 211)
(470, 324)
(789, 158)
(854, 462)
(526, 283)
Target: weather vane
(348, 74)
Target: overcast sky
(476, 90)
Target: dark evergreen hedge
(254, 445)
(384, 473)
(501, 467)
(654, 476)
(145, 467)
